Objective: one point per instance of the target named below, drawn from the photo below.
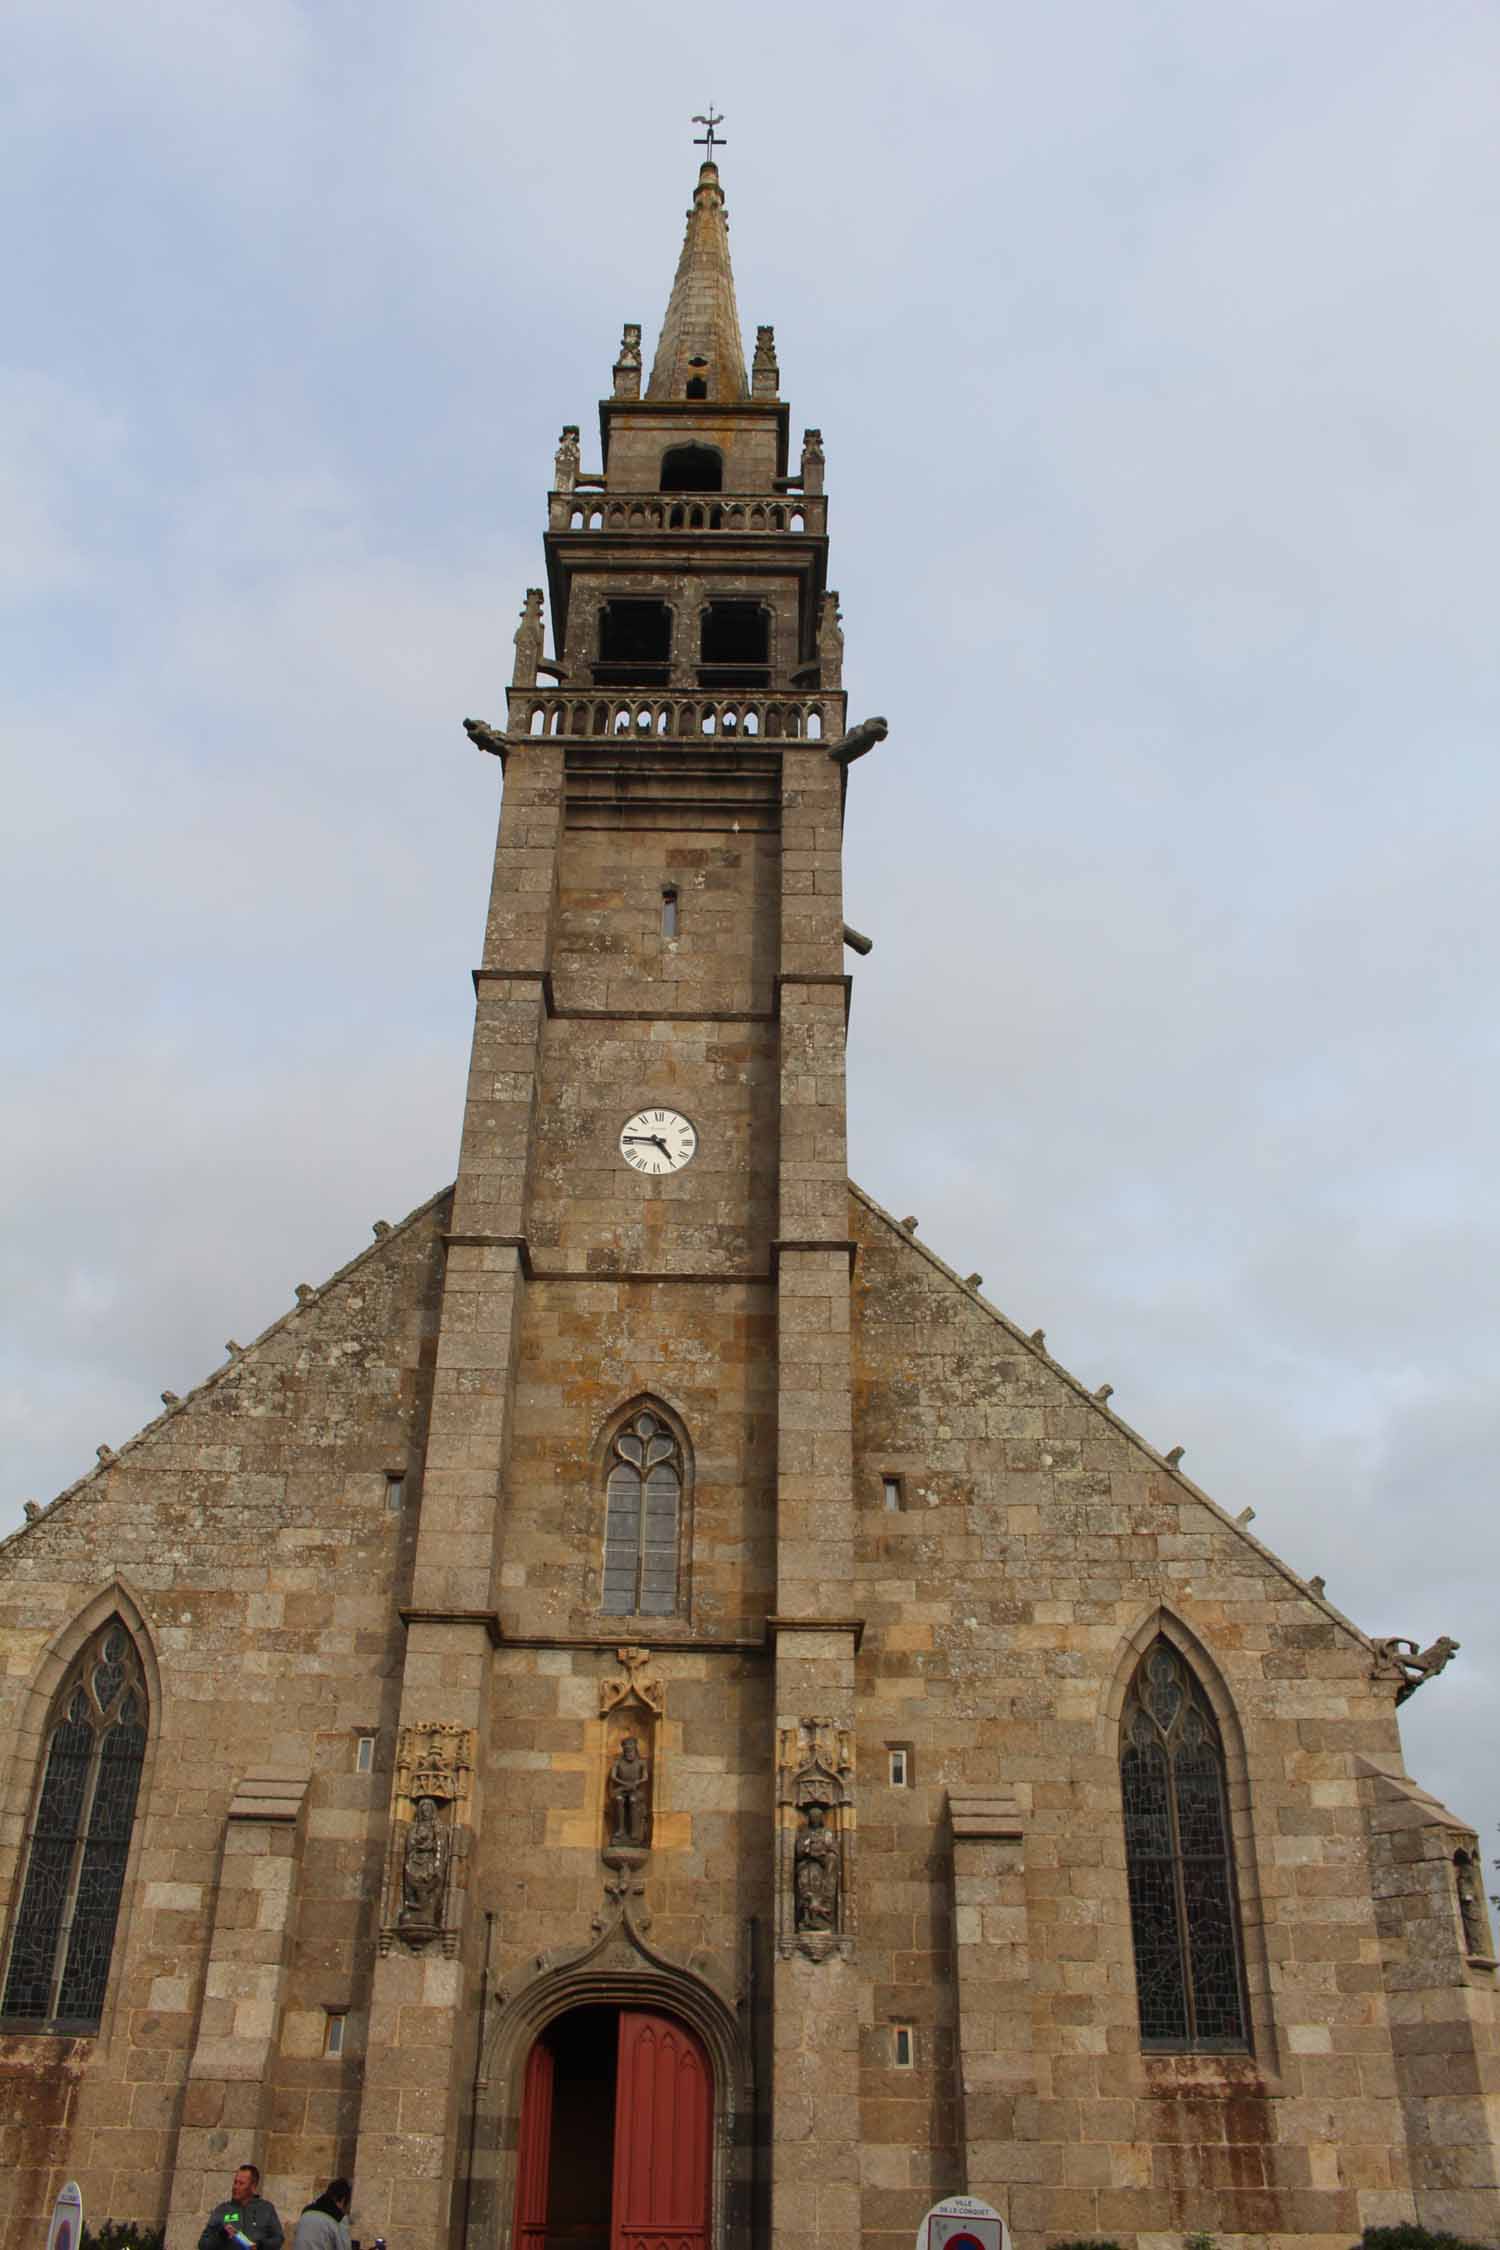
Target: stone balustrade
(748, 514)
(767, 716)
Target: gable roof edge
(158, 1421)
(1116, 1421)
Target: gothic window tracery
(642, 1522)
(1184, 1914)
(79, 1840)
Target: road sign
(962, 2222)
(66, 2230)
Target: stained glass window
(643, 1502)
(1184, 1917)
(64, 1928)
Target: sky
(1156, 365)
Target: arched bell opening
(692, 468)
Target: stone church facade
(645, 1711)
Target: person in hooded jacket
(324, 2224)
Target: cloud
(1157, 388)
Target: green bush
(1093, 2243)
(123, 2234)
(1408, 2237)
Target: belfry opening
(616, 2134)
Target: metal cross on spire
(707, 139)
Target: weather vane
(707, 140)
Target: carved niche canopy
(635, 1687)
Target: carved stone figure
(815, 1879)
(424, 1867)
(813, 459)
(569, 460)
(485, 737)
(1471, 1908)
(858, 740)
(529, 636)
(629, 1780)
(1399, 1658)
(765, 375)
(830, 644)
(630, 345)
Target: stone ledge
(543, 977)
(777, 1625)
(269, 1793)
(985, 1820)
(488, 1618)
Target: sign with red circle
(963, 2222)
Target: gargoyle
(857, 741)
(1400, 1659)
(486, 737)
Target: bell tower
(650, 1218)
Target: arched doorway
(616, 2139)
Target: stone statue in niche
(424, 1868)
(815, 1838)
(1397, 1658)
(816, 1875)
(1471, 1908)
(529, 636)
(425, 1856)
(569, 459)
(830, 644)
(629, 1797)
(813, 459)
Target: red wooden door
(664, 2111)
(534, 2154)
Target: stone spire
(700, 337)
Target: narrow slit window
(892, 1498)
(643, 1505)
(364, 1753)
(395, 1491)
(900, 1757)
(333, 2032)
(903, 2046)
(669, 913)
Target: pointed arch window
(643, 1518)
(1184, 1913)
(74, 1865)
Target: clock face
(658, 1140)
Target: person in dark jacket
(324, 2224)
(245, 2220)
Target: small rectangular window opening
(395, 1490)
(891, 1494)
(669, 913)
(900, 1755)
(364, 1753)
(903, 2046)
(333, 2032)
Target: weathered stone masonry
(867, 1854)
